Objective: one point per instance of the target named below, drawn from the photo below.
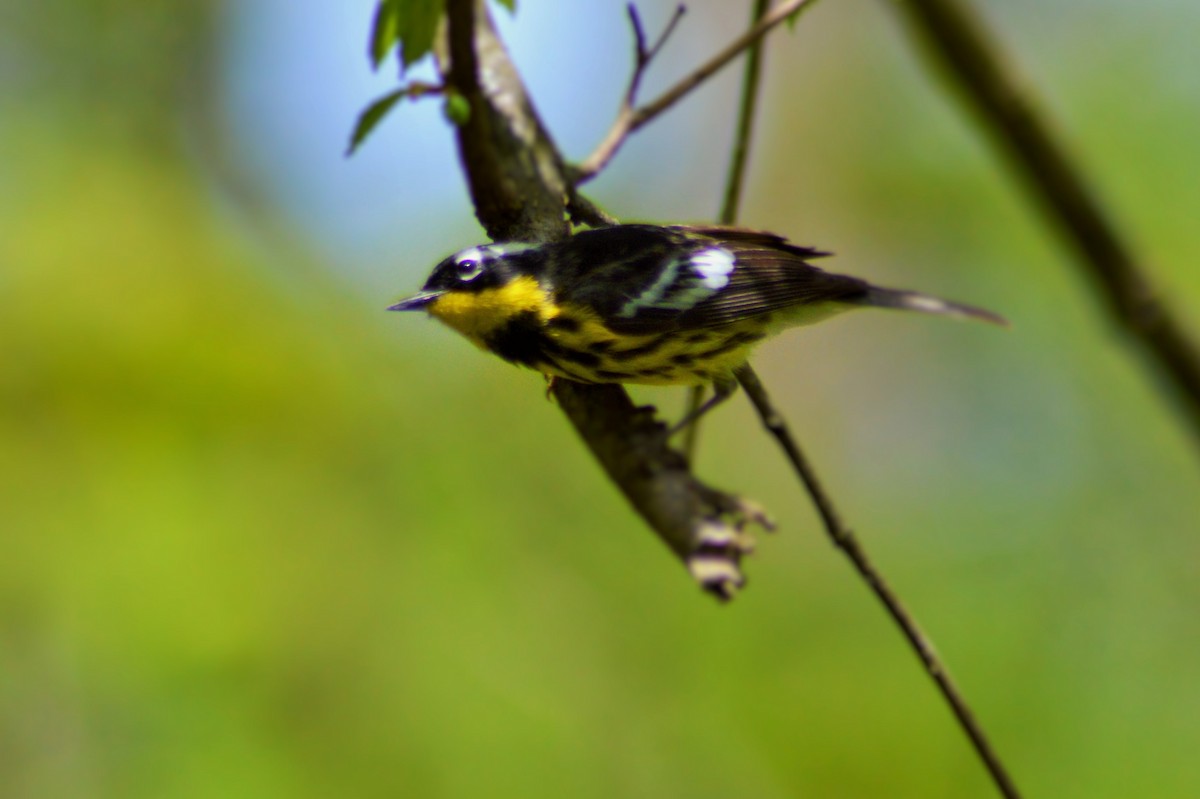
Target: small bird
(658, 305)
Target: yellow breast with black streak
(480, 314)
(590, 351)
(520, 322)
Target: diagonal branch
(643, 55)
(518, 185)
(960, 43)
(844, 539)
(751, 81)
(630, 119)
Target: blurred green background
(262, 539)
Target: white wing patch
(714, 267)
(684, 282)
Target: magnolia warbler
(675, 305)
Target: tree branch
(704, 527)
(519, 186)
(844, 539)
(630, 119)
(751, 80)
(957, 40)
(513, 167)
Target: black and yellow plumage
(677, 305)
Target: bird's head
(473, 270)
(479, 288)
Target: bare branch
(518, 185)
(630, 119)
(641, 61)
(644, 55)
(844, 539)
(751, 79)
(513, 168)
(958, 40)
(704, 527)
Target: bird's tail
(916, 301)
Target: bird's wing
(751, 238)
(654, 279)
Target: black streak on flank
(636, 352)
(581, 357)
(736, 340)
(563, 323)
(608, 374)
(564, 369)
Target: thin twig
(691, 433)
(629, 119)
(844, 539)
(644, 54)
(735, 181)
(959, 40)
(751, 81)
(625, 113)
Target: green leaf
(511, 5)
(372, 116)
(409, 25)
(457, 109)
(385, 31)
(417, 23)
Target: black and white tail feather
(879, 297)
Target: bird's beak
(417, 301)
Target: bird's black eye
(468, 269)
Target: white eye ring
(468, 269)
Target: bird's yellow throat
(476, 314)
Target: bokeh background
(259, 538)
